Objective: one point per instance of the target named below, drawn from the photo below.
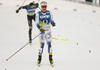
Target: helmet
(43, 3)
(31, 5)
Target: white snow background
(79, 23)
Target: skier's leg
(49, 40)
(30, 27)
(42, 42)
(50, 52)
(34, 17)
(40, 52)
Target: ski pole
(38, 3)
(22, 47)
(23, 3)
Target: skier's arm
(37, 23)
(22, 7)
(52, 21)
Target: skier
(30, 15)
(44, 20)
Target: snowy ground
(78, 23)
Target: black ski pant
(30, 18)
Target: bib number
(45, 21)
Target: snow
(80, 27)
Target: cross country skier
(30, 15)
(44, 20)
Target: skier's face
(44, 8)
(32, 6)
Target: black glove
(17, 11)
(37, 5)
(42, 30)
(53, 24)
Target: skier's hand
(42, 30)
(53, 24)
(17, 11)
(37, 5)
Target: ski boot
(51, 60)
(39, 60)
(30, 42)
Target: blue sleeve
(38, 26)
(51, 17)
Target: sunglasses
(44, 6)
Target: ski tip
(6, 59)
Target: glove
(42, 30)
(17, 11)
(37, 5)
(53, 24)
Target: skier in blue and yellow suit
(30, 15)
(44, 20)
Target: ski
(50, 64)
